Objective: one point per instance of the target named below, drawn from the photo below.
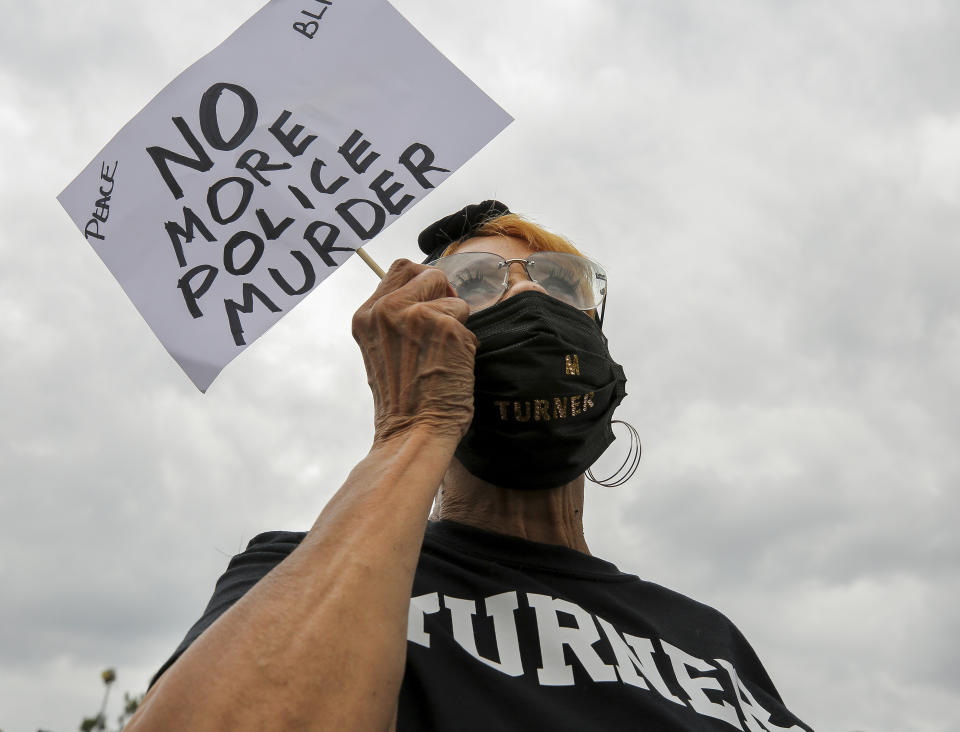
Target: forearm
(320, 642)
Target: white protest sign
(260, 169)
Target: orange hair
(514, 225)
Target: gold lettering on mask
(572, 363)
(559, 407)
(541, 410)
(525, 417)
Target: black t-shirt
(509, 634)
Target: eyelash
(563, 275)
(466, 278)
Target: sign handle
(370, 263)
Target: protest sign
(260, 169)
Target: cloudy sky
(774, 188)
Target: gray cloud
(774, 190)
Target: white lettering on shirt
(419, 607)
(499, 607)
(695, 686)
(580, 640)
(635, 666)
(756, 717)
(638, 656)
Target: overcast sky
(773, 188)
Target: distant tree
(98, 723)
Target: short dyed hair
(516, 226)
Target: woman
(492, 615)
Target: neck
(549, 516)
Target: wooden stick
(370, 263)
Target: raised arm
(320, 642)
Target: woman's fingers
(451, 306)
(411, 282)
(418, 354)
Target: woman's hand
(418, 354)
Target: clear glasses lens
(477, 277)
(575, 280)
(480, 278)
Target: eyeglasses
(481, 278)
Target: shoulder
(276, 542)
(683, 606)
(264, 552)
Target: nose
(519, 281)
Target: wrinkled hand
(417, 352)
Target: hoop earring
(629, 466)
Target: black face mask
(544, 394)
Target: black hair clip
(460, 225)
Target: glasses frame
(505, 263)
